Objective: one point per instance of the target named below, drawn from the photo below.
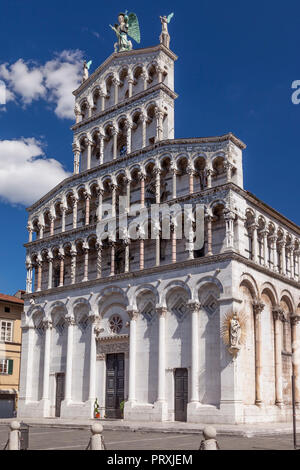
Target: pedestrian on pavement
(209, 442)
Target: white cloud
(54, 81)
(62, 76)
(25, 173)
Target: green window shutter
(10, 366)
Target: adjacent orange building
(11, 308)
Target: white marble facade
(160, 306)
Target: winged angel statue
(128, 26)
(165, 37)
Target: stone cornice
(118, 55)
(161, 145)
(206, 260)
(128, 101)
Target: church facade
(171, 332)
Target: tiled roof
(10, 298)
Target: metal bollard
(210, 442)
(96, 441)
(14, 436)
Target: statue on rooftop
(165, 37)
(128, 26)
(86, 67)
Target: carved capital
(295, 319)
(161, 311)
(47, 324)
(258, 307)
(133, 314)
(278, 313)
(194, 306)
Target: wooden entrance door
(114, 384)
(181, 394)
(60, 392)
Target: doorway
(60, 393)
(181, 394)
(114, 385)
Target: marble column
(209, 174)
(297, 264)
(282, 258)
(87, 208)
(75, 203)
(116, 83)
(128, 182)
(157, 172)
(159, 124)
(142, 254)
(292, 262)
(257, 309)
(174, 183)
(112, 259)
(39, 275)
(228, 168)
(89, 154)
(101, 149)
(76, 161)
(73, 265)
(115, 142)
(86, 264)
(173, 243)
(93, 359)
(273, 260)
(264, 234)
(278, 316)
(50, 270)
(191, 244)
(99, 260)
(229, 217)
(133, 314)
(100, 193)
(157, 250)
(145, 78)
(47, 351)
(295, 323)
(142, 178)
(194, 310)
(114, 199)
(209, 220)
(51, 218)
(102, 95)
(29, 278)
(253, 229)
(130, 81)
(143, 119)
(61, 270)
(127, 259)
(69, 362)
(63, 218)
(29, 233)
(41, 231)
(191, 180)
(161, 393)
(128, 127)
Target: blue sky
(237, 61)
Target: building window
(6, 330)
(7, 309)
(6, 366)
(115, 323)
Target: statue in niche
(235, 332)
